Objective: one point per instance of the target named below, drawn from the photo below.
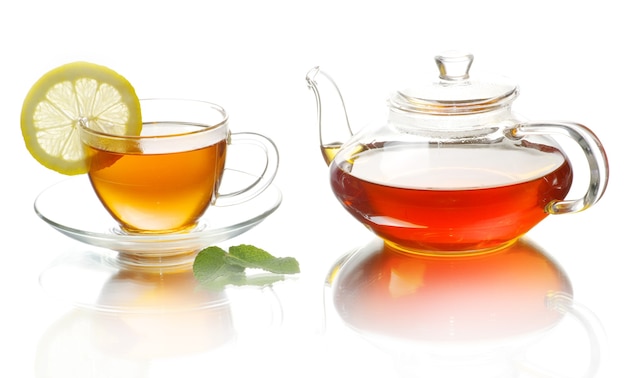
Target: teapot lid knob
(454, 66)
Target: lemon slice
(68, 95)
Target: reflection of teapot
(453, 169)
(437, 298)
(462, 315)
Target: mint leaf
(210, 265)
(214, 268)
(248, 256)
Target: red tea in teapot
(437, 199)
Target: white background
(252, 57)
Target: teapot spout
(333, 124)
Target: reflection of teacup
(160, 315)
(130, 320)
(165, 179)
(139, 318)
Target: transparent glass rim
(167, 104)
(187, 124)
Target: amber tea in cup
(164, 180)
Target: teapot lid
(455, 93)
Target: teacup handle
(593, 150)
(263, 180)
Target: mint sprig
(215, 268)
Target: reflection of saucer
(72, 208)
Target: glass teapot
(453, 170)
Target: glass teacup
(165, 179)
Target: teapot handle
(594, 153)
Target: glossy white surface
(252, 57)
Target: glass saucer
(72, 208)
